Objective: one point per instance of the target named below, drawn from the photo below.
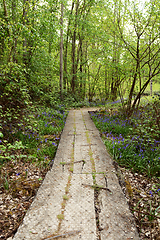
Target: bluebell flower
(151, 193)
(158, 190)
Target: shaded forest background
(109, 50)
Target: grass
(65, 197)
(60, 216)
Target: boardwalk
(80, 197)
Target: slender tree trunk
(65, 78)
(7, 29)
(129, 104)
(5, 9)
(14, 32)
(61, 53)
(151, 87)
(25, 19)
(81, 67)
(106, 84)
(85, 68)
(73, 81)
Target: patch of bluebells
(138, 153)
(113, 124)
(152, 192)
(135, 151)
(52, 121)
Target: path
(81, 195)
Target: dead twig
(70, 163)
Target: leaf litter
(18, 186)
(142, 194)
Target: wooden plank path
(80, 198)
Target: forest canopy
(89, 49)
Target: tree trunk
(129, 104)
(25, 19)
(73, 81)
(14, 32)
(65, 79)
(61, 53)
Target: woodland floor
(135, 186)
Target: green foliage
(148, 209)
(14, 98)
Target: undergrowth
(35, 141)
(134, 142)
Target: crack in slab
(83, 165)
(105, 178)
(89, 173)
(97, 212)
(92, 144)
(73, 134)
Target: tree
(144, 49)
(61, 52)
